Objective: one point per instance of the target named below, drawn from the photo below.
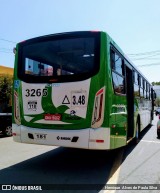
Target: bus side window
(147, 96)
(144, 88)
(117, 73)
(149, 92)
(136, 84)
(141, 86)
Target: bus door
(130, 102)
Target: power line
(147, 65)
(146, 56)
(7, 41)
(4, 49)
(144, 53)
(6, 52)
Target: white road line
(148, 141)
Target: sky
(133, 25)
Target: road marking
(150, 141)
(114, 174)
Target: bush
(6, 82)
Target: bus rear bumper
(88, 138)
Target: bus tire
(137, 136)
(7, 131)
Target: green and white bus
(78, 90)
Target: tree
(5, 89)
(155, 83)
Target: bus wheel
(137, 137)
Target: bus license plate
(40, 136)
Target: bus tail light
(99, 141)
(96, 140)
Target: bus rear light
(16, 134)
(99, 141)
(96, 140)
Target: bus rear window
(59, 59)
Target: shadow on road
(2, 136)
(66, 166)
(130, 147)
(62, 166)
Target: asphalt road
(29, 164)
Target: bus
(78, 90)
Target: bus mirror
(14, 51)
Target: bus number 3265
(36, 92)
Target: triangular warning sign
(66, 100)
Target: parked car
(6, 122)
(157, 111)
(158, 128)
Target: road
(33, 164)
